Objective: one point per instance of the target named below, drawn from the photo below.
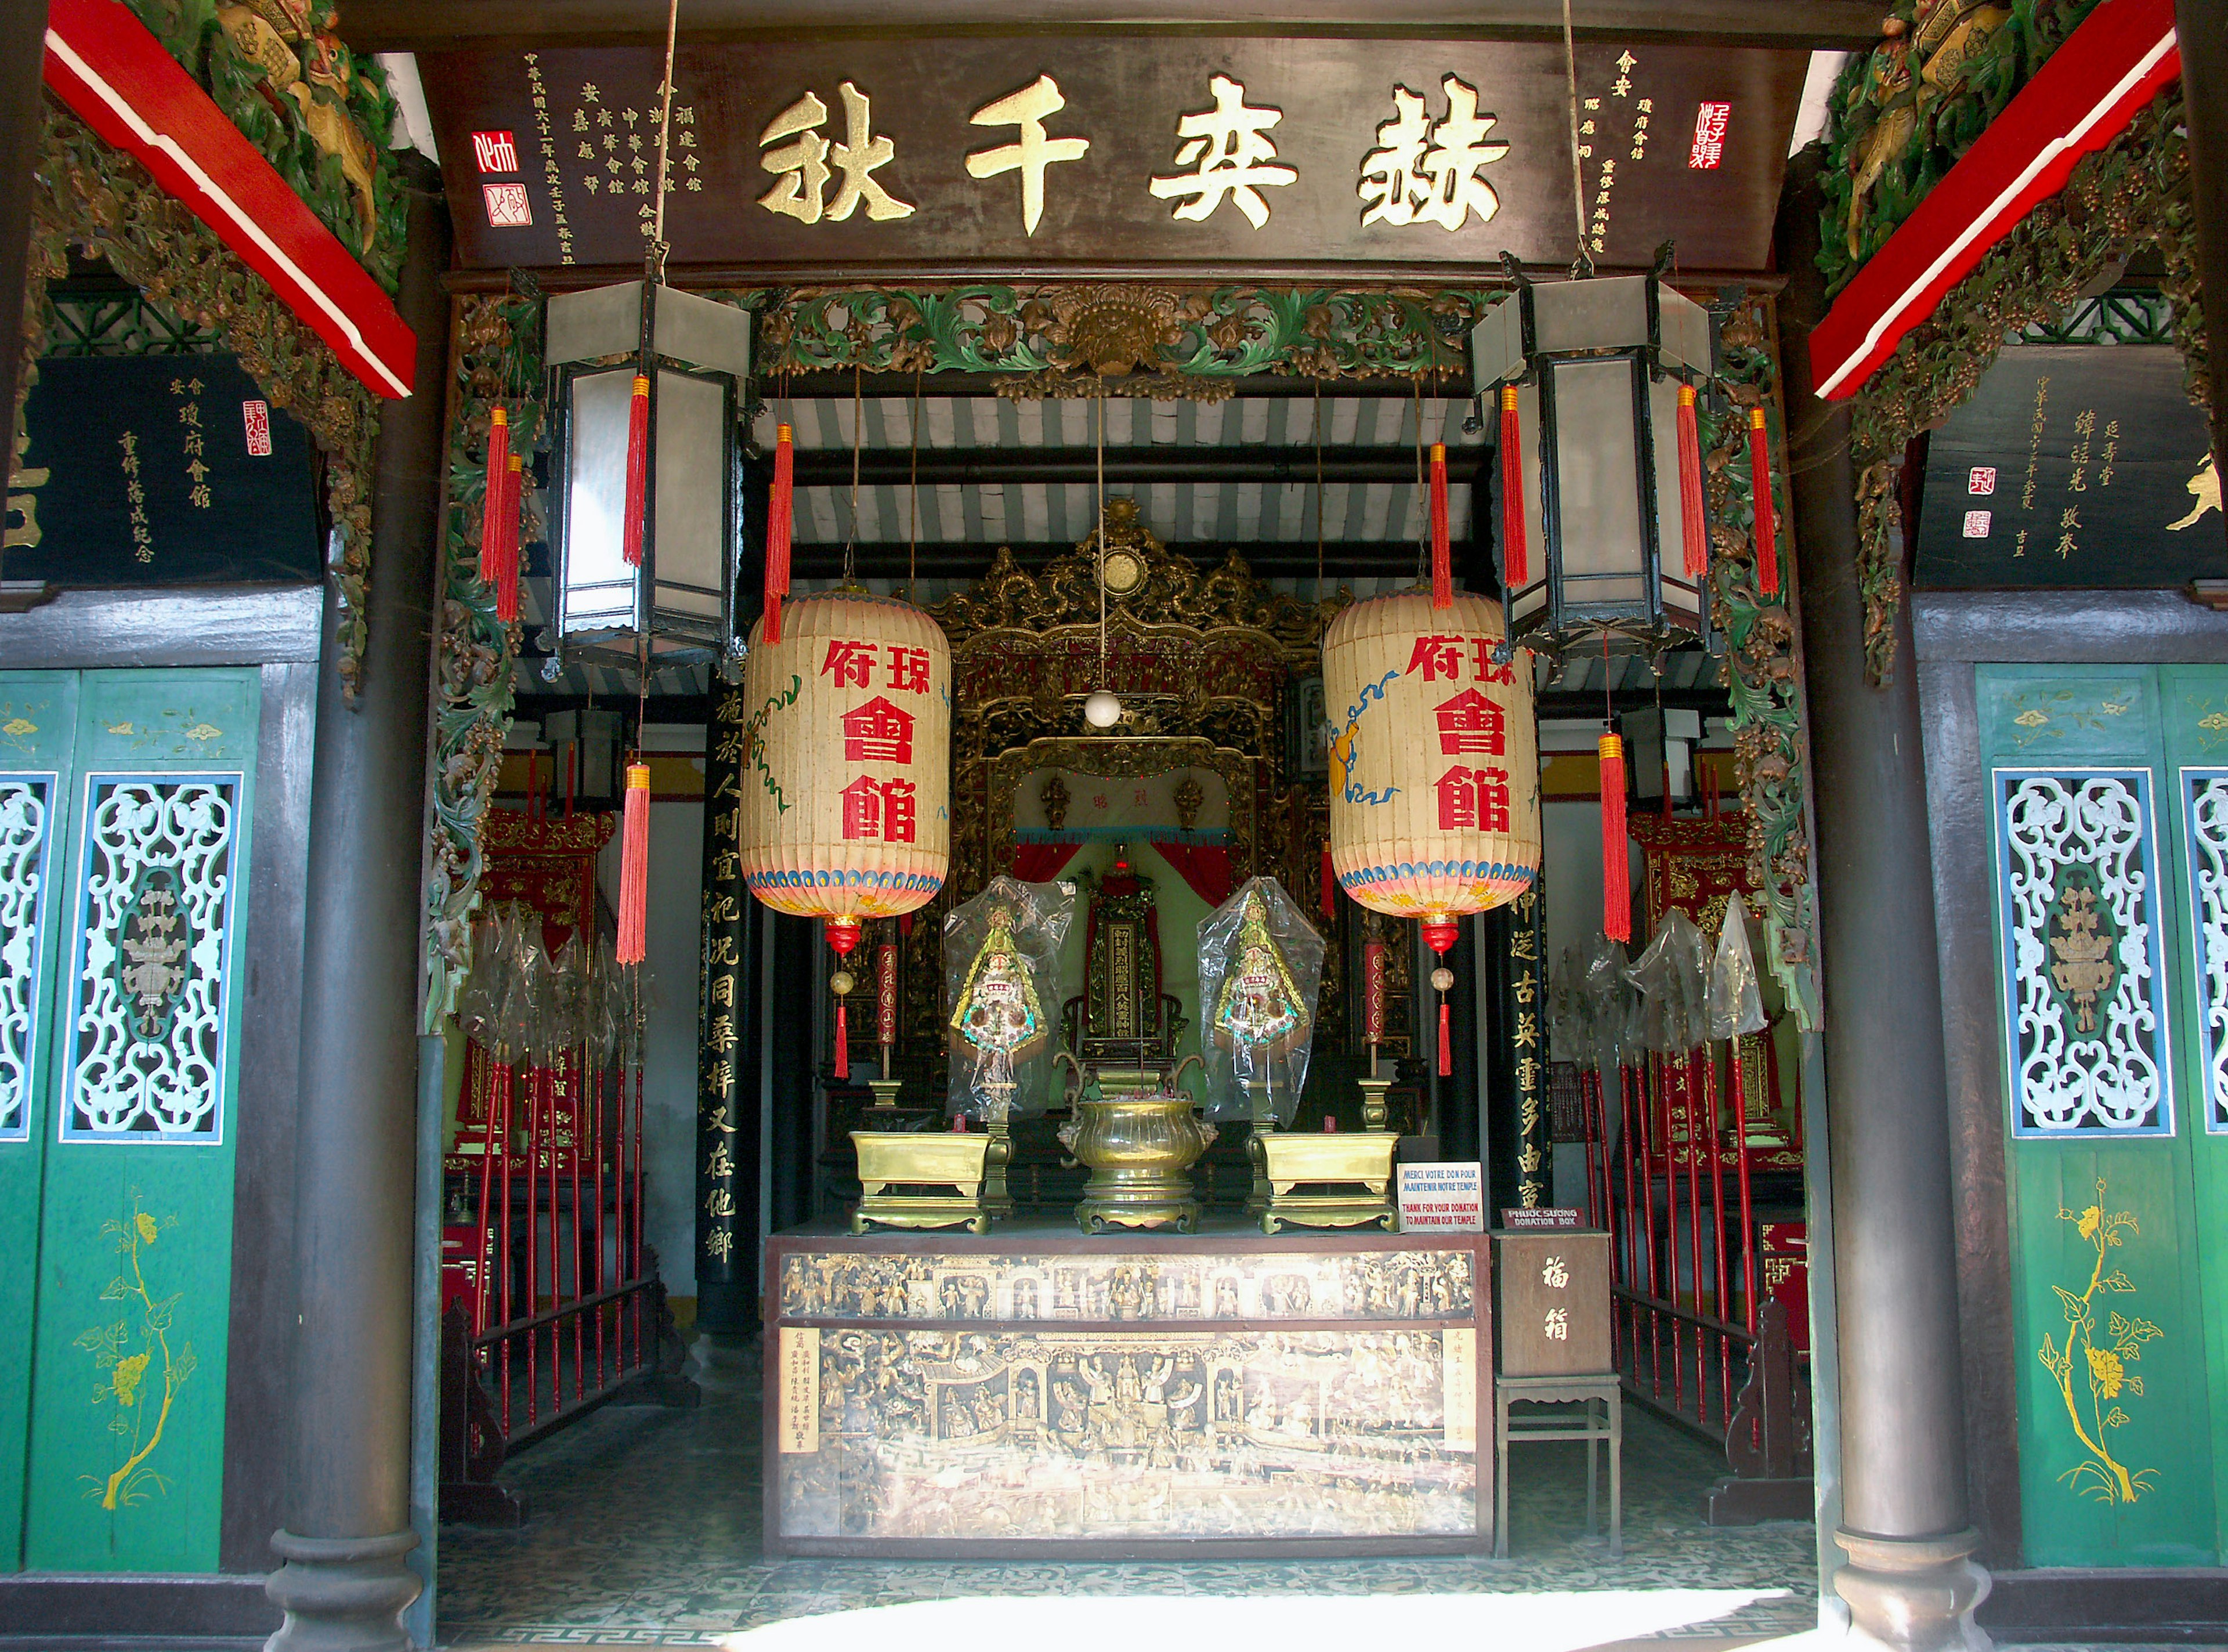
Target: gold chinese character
(804, 163)
(1034, 151)
(717, 1119)
(1231, 154)
(719, 1243)
(1423, 172)
(23, 506)
(720, 1163)
(720, 1202)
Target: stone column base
(724, 1361)
(342, 1594)
(1913, 1594)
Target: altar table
(1034, 1391)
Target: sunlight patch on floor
(1544, 1622)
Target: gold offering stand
(920, 1160)
(1351, 1172)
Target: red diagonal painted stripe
(2077, 102)
(102, 61)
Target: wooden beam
(433, 25)
(888, 467)
(1269, 559)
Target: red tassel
(1694, 518)
(842, 1041)
(1617, 848)
(1514, 570)
(637, 495)
(779, 527)
(1759, 471)
(498, 456)
(1329, 886)
(506, 567)
(634, 864)
(1442, 577)
(1446, 1044)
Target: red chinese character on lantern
(876, 809)
(908, 668)
(851, 664)
(1470, 722)
(1473, 799)
(1436, 657)
(877, 733)
(1487, 671)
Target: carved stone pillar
(345, 1581)
(1910, 1584)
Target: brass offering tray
(1358, 1165)
(890, 1158)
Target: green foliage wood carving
(139, 1373)
(2093, 1365)
(498, 355)
(1761, 672)
(320, 114)
(86, 195)
(2131, 196)
(1903, 114)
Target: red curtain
(1205, 866)
(1041, 862)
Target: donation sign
(1446, 1198)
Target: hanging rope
(1577, 178)
(1317, 428)
(1100, 457)
(913, 487)
(857, 445)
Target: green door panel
(2194, 709)
(127, 1389)
(38, 729)
(2118, 1370)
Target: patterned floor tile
(647, 1530)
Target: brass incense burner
(890, 1159)
(1140, 1143)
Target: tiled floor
(646, 1532)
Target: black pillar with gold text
(1526, 1017)
(727, 1089)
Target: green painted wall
(114, 1451)
(2117, 1240)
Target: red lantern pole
(1439, 935)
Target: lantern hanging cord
(664, 143)
(912, 490)
(1583, 265)
(858, 442)
(1319, 492)
(1100, 460)
(1423, 494)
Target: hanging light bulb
(1102, 710)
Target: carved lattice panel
(2205, 833)
(27, 817)
(147, 1033)
(2084, 968)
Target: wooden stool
(1596, 1427)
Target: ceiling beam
(892, 467)
(432, 25)
(1269, 559)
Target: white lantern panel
(1606, 313)
(599, 587)
(689, 549)
(607, 321)
(1496, 345)
(1684, 329)
(1680, 598)
(1598, 457)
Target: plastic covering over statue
(1001, 976)
(1260, 969)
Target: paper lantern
(1435, 765)
(846, 811)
